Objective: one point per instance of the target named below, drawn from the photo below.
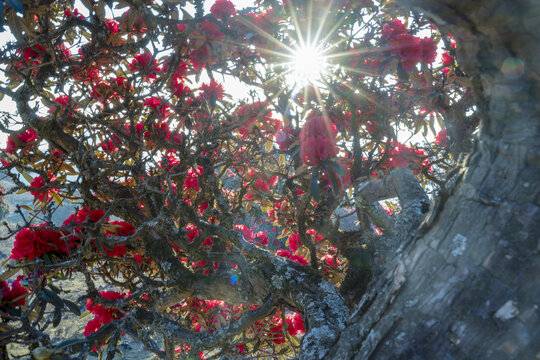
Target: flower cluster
(103, 315)
(14, 294)
(251, 236)
(404, 156)
(257, 116)
(285, 138)
(295, 326)
(31, 243)
(42, 195)
(410, 49)
(118, 228)
(294, 257)
(143, 63)
(317, 140)
(212, 91)
(25, 139)
(441, 138)
(223, 9)
(159, 105)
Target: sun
(308, 65)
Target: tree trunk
(469, 286)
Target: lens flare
(308, 65)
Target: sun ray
(265, 34)
(323, 21)
(296, 24)
(331, 32)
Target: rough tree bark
(467, 284)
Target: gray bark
(467, 284)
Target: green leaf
(52, 298)
(337, 167)
(68, 343)
(73, 307)
(334, 181)
(9, 273)
(57, 316)
(27, 177)
(54, 288)
(314, 184)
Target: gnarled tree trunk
(467, 285)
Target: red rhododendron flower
(317, 140)
(158, 105)
(293, 242)
(403, 156)
(295, 324)
(110, 146)
(276, 334)
(64, 52)
(200, 57)
(223, 9)
(62, 100)
(191, 178)
(44, 195)
(412, 50)
(32, 55)
(261, 235)
(121, 228)
(28, 137)
(203, 206)
(296, 258)
(212, 92)
(139, 127)
(392, 29)
(210, 30)
(76, 218)
(409, 48)
(102, 90)
(31, 243)
(372, 127)
(257, 115)
(429, 50)
(103, 315)
(176, 82)
(441, 138)
(88, 75)
(112, 26)
(264, 23)
(330, 260)
(246, 231)
(83, 215)
(285, 138)
(13, 293)
(143, 62)
(447, 59)
(68, 13)
(262, 185)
